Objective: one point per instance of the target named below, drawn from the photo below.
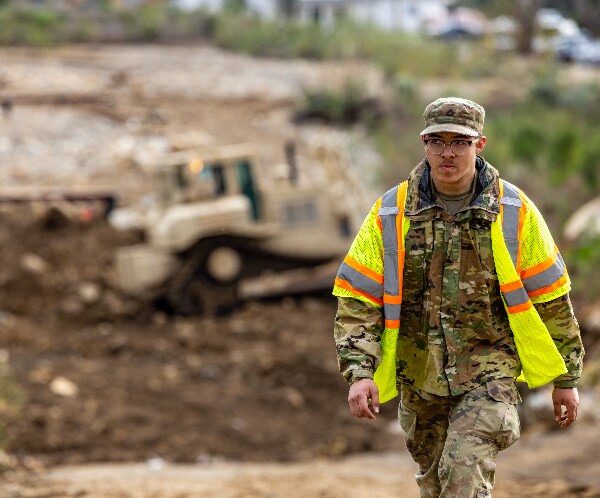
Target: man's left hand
(569, 398)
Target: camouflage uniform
(456, 356)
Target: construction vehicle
(226, 229)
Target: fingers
(570, 416)
(364, 408)
(362, 393)
(568, 398)
(375, 400)
(360, 408)
(557, 402)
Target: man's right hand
(362, 394)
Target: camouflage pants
(455, 439)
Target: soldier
(452, 289)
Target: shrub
(347, 106)
(584, 260)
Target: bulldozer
(225, 228)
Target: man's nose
(448, 152)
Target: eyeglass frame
(470, 142)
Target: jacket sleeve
(562, 325)
(357, 330)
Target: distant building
(405, 15)
(267, 9)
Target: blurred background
(179, 181)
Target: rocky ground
(171, 405)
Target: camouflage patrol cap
(455, 115)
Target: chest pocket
(479, 280)
(419, 249)
(416, 301)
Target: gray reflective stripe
(392, 311)
(511, 202)
(390, 243)
(547, 277)
(390, 200)
(515, 297)
(360, 281)
(510, 221)
(388, 210)
(510, 191)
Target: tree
(588, 14)
(525, 13)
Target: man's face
(451, 172)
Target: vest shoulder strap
(512, 212)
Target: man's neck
(454, 189)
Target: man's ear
(480, 144)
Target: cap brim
(452, 128)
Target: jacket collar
(420, 198)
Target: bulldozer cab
(195, 177)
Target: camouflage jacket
(454, 331)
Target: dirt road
(563, 464)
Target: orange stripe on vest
(359, 267)
(344, 284)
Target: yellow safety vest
(542, 277)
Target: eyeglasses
(459, 147)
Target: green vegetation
(584, 259)
(554, 130)
(239, 31)
(393, 52)
(46, 27)
(350, 105)
(11, 396)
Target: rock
(40, 375)
(171, 373)
(585, 220)
(33, 264)
(89, 292)
(194, 361)
(238, 424)
(156, 464)
(294, 397)
(62, 386)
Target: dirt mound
(104, 379)
(59, 266)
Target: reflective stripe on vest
(391, 215)
(512, 212)
(545, 277)
(537, 280)
(393, 225)
(364, 280)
